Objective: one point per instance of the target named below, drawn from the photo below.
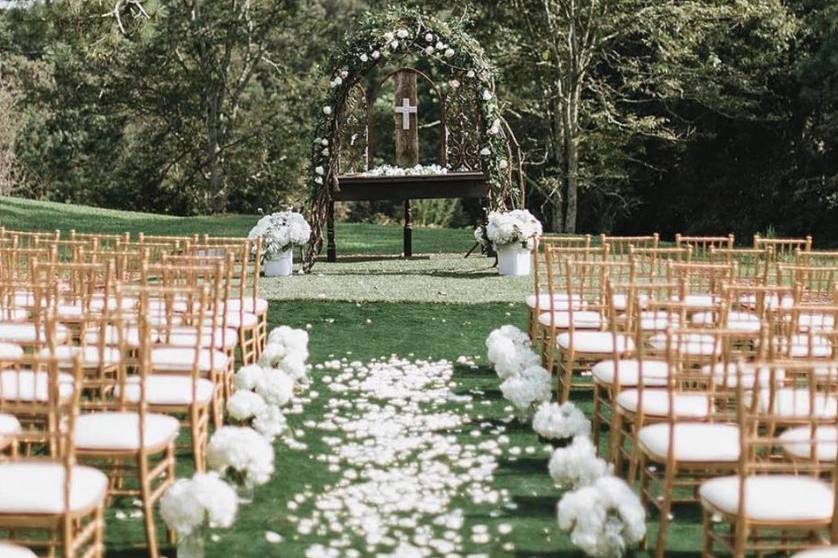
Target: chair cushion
(697, 300)
(130, 335)
(10, 351)
(38, 488)
(694, 441)
(185, 337)
(181, 359)
(561, 301)
(825, 552)
(799, 442)
(237, 320)
(121, 431)
(162, 389)
(656, 403)
(97, 303)
(9, 550)
(620, 301)
(655, 372)
(775, 498)
(260, 307)
(804, 346)
(25, 385)
(596, 342)
(90, 356)
(8, 424)
(736, 321)
(689, 343)
(581, 319)
(770, 301)
(25, 333)
(725, 374)
(794, 403)
(816, 322)
(658, 320)
(14, 314)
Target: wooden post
(407, 139)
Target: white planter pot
(281, 265)
(513, 259)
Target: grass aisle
(361, 332)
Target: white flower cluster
(418, 170)
(577, 464)
(202, 501)
(557, 422)
(604, 519)
(262, 388)
(525, 382)
(241, 452)
(517, 226)
(280, 231)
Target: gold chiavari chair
(539, 300)
(702, 245)
(121, 435)
(818, 282)
(753, 265)
(589, 335)
(651, 263)
(784, 249)
(811, 258)
(676, 452)
(775, 505)
(619, 245)
(27, 239)
(704, 282)
(102, 241)
(49, 502)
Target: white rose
(454, 84)
(502, 164)
(470, 74)
(394, 45)
(402, 33)
(487, 95)
(344, 74)
(440, 45)
(318, 180)
(429, 50)
(485, 152)
(376, 55)
(327, 110)
(325, 152)
(429, 37)
(364, 57)
(388, 36)
(449, 52)
(319, 170)
(324, 141)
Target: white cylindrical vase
(281, 265)
(513, 260)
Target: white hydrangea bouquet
(280, 232)
(512, 234)
(191, 506)
(243, 456)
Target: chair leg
(615, 436)
(567, 374)
(198, 436)
(707, 543)
(148, 506)
(665, 511)
(597, 419)
(99, 534)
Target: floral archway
(387, 37)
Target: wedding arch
(478, 154)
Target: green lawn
(352, 238)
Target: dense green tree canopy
(634, 115)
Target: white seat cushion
(97, 303)
(10, 351)
(38, 488)
(121, 431)
(69, 311)
(162, 389)
(581, 319)
(775, 498)
(805, 346)
(184, 336)
(130, 335)
(14, 314)
(656, 403)
(9, 550)
(25, 385)
(816, 322)
(181, 359)
(694, 441)
(697, 300)
(794, 403)
(237, 320)
(561, 301)
(620, 301)
(91, 357)
(770, 301)
(726, 375)
(25, 333)
(736, 321)
(596, 342)
(698, 344)
(260, 307)
(799, 442)
(826, 552)
(8, 425)
(658, 320)
(655, 372)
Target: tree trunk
(571, 154)
(218, 197)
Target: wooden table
(403, 188)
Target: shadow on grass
(535, 506)
(524, 466)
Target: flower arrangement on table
(512, 234)
(600, 511)
(280, 233)
(418, 170)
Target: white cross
(406, 111)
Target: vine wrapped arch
(387, 38)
